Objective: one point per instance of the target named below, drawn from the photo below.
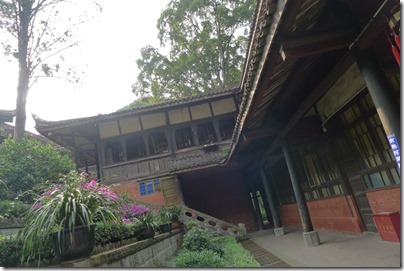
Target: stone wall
(147, 253)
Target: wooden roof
(80, 135)
(6, 115)
(297, 51)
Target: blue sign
(395, 147)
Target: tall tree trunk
(20, 114)
(25, 9)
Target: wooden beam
(376, 24)
(311, 43)
(261, 132)
(314, 96)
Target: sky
(109, 47)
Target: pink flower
(91, 185)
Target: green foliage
(148, 220)
(10, 251)
(11, 248)
(168, 214)
(142, 102)
(175, 212)
(114, 232)
(75, 202)
(199, 239)
(200, 248)
(203, 258)
(208, 42)
(13, 209)
(163, 216)
(235, 255)
(28, 164)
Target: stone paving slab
(262, 256)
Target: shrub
(13, 209)
(28, 163)
(114, 232)
(235, 255)
(10, 251)
(203, 258)
(198, 239)
(201, 248)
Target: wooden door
(171, 191)
(359, 188)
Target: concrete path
(336, 249)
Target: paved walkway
(337, 250)
(262, 256)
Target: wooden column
(100, 160)
(274, 213)
(257, 207)
(380, 91)
(309, 235)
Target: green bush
(202, 258)
(198, 239)
(13, 209)
(10, 251)
(29, 163)
(114, 232)
(202, 248)
(235, 255)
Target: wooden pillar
(309, 235)
(99, 158)
(257, 207)
(301, 202)
(274, 213)
(380, 91)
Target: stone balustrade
(238, 231)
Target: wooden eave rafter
(310, 43)
(261, 133)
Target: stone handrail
(217, 225)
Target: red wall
(132, 188)
(385, 200)
(222, 196)
(331, 214)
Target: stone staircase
(219, 226)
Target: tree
(207, 40)
(36, 40)
(27, 163)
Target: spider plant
(75, 202)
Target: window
(113, 152)
(135, 147)
(158, 143)
(206, 133)
(226, 127)
(322, 176)
(364, 140)
(184, 138)
(149, 187)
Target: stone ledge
(119, 257)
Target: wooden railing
(238, 231)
